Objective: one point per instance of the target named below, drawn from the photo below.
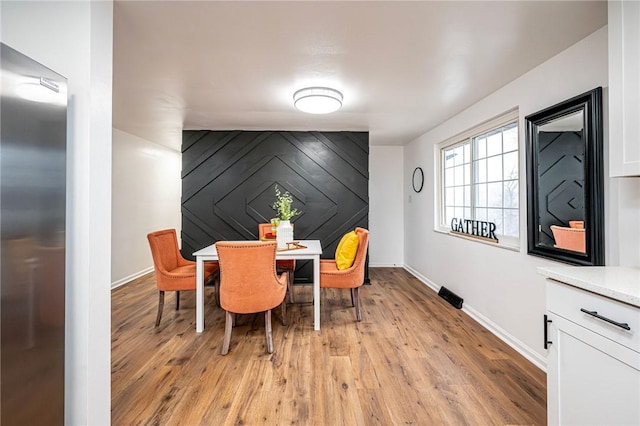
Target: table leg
(199, 294)
(316, 293)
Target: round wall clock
(418, 179)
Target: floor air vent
(451, 297)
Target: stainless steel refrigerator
(33, 129)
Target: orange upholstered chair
(249, 283)
(351, 278)
(573, 239)
(288, 266)
(173, 272)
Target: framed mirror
(565, 212)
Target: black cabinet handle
(610, 321)
(547, 342)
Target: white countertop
(616, 282)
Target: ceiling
(403, 67)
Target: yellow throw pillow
(346, 251)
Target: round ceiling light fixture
(317, 100)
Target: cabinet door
(624, 88)
(591, 380)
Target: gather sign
(474, 228)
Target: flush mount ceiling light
(317, 100)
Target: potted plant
(284, 213)
(282, 205)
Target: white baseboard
(422, 278)
(131, 277)
(509, 339)
(385, 265)
(524, 350)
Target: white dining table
(312, 251)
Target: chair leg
(160, 306)
(177, 300)
(284, 311)
(353, 302)
(228, 325)
(356, 297)
(267, 326)
(290, 286)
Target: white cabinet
(624, 88)
(593, 366)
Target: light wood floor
(413, 359)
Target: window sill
(512, 246)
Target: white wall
(500, 287)
(75, 40)
(146, 198)
(623, 235)
(386, 218)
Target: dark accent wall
(228, 180)
(561, 181)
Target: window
(479, 178)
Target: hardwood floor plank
(256, 402)
(292, 360)
(374, 407)
(413, 359)
(342, 403)
(394, 373)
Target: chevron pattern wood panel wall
(228, 180)
(561, 180)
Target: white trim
(130, 278)
(490, 124)
(509, 245)
(524, 350)
(385, 265)
(422, 278)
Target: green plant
(282, 205)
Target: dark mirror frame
(591, 103)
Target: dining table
(305, 250)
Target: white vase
(284, 234)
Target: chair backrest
(164, 250)
(263, 229)
(361, 255)
(248, 280)
(573, 239)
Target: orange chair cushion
(173, 272)
(288, 265)
(346, 250)
(573, 239)
(332, 277)
(248, 280)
